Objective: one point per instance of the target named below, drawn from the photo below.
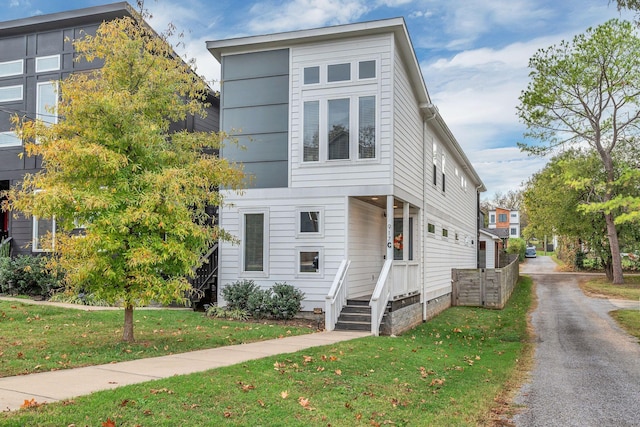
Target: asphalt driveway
(587, 369)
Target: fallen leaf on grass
(338, 372)
(109, 423)
(304, 402)
(284, 394)
(160, 390)
(29, 404)
(437, 381)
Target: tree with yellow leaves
(112, 167)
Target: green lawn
(629, 320)
(602, 287)
(446, 372)
(35, 338)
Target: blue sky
(473, 53)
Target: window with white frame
(47, 102)
(311, 75)
(444, 159)
(367, 70)
(9, 139)
(514, 231)
(11, 68)
(309, 222)
(255, 242)
(11, 93)
(338, 117)
(309, 260)
(311, 131)
(338, 72)
(47, 63)
(435, 164)
(44, 232)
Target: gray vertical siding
(255, 110)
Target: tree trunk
(127, 332)
(616, 260)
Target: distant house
(360, 192)
(506, 219)
(35, 53)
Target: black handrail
(205, 279)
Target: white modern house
(360, 194)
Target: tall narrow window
(338, 129)
(443, 169)
(367, 127)
(43, 229)
(435, 164)
(47, 102)
(311, 143)
(254, 242)
(399, 240)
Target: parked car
(530, 252)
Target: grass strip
(601, 286)
(35, 338)
(446, 372)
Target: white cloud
(295, 14)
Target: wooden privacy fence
(482, 287)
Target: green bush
(27, 275)
(282, 301)
(259, 303)
(81, 299)
(237, 294)
(286, 301)
(517, 246)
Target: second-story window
(339, 73)
(338, 129)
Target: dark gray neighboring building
(36, 52)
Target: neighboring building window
(366, 69)
(514, 215)
(502, 217)
(11, 93)
(311, 75)
(339, 72)
(311, 132)
(47, 63)
(457, 238)
(43, 228)
(431, 228)
(310, 221)
(9, 139)
(514, 232)
(309, 260)
(367, 127)
(338, 129)
(492, 218)
(11, 68)
(255, 244)
(47, 102)
(445, 232)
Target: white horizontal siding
(283, 242)
(409, 152)
(367, 226)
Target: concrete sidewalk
(65, 384)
